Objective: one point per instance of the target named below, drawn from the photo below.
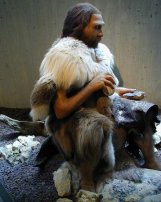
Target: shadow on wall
(118, 75)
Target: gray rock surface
(133, 184)
(153, 198)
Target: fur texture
(41, 97)
(71, 58)
(84, 138)
(68, 64)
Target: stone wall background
(28, 28)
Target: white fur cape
(69, 63)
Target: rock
(132, 198)
(19, 150)
(156, 138)
(136, 95)
(62, 180)
(157, 134)
(109, 199)
(64, 200)
(153, 198)
(75, 176)
(87, 196)
(128, 188)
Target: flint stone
(64, 200)
(136, 95)
(87, 196)
(109, 199)
(132, 198)
(62, 180)
(19, 150)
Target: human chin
(92, 44)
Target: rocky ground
(25, 182)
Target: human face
(92, 33)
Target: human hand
(104, 82)
(136, 95)
(121, 90)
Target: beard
(91, 43)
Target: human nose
(100, 34)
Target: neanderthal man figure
(76, 79)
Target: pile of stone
(19, 150)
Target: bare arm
(64, 105)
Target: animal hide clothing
(69, 64)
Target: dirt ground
(25, 182)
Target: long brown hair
(77, 18)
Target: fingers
(109, 84)
(122, 90)
(102, 81)
(131, 90)
(109, 81)
(110, 78)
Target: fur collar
(70, 63)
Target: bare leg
(64, 142)
(145, 144)
(86, 171)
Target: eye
(98, 27)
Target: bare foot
(152, 165)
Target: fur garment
(68, 64)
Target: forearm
(64, 105)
